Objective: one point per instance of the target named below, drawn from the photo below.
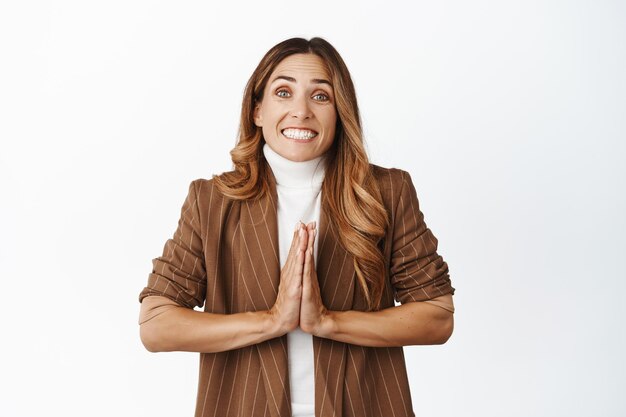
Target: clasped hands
(299, 302)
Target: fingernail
(297, 227)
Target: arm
(420, 280)
(169, 326)
(415, 323)
(425, 322)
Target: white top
(298, 186)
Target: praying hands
(299, 302)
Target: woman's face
(297, 113)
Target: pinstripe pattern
(225, 252)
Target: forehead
(301, 66)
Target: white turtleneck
(298, 185)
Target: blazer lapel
(260, 273)
(260, 268)
(335, 267)
(335, 272)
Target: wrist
(327, 325)
(272, 325)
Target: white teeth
(299, 133)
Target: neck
(295, 174)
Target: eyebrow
(293, 80)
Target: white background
(509, 115)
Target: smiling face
(297, 113)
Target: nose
(301, 109)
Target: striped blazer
(224, 255)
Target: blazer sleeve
(417, 271)
(179, 273)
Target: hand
(285, 313)
(312, 309)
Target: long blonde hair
(349, 192)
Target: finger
(294, 239)
(309, 279)
(312, 229)
(312, 232)
(286, 273)
(299, 267)
(294, 243)
(311, 255)
(306, 273)
(303, 238)
(311, 239)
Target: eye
(282, 93)
(321, 97)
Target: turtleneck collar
(293, 174)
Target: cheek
(268, 133)
(330, 121)
(270, 120)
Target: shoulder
(391, 181)
(206, 192)
(209, 204)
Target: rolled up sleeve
(179, 273)
(417, 271)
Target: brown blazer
(224, 255)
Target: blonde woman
(297, 256)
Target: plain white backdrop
(509, 115)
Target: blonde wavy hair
(350, 194)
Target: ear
(258, 120)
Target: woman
(300, 322)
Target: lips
(299, 134)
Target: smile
(300, 134)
